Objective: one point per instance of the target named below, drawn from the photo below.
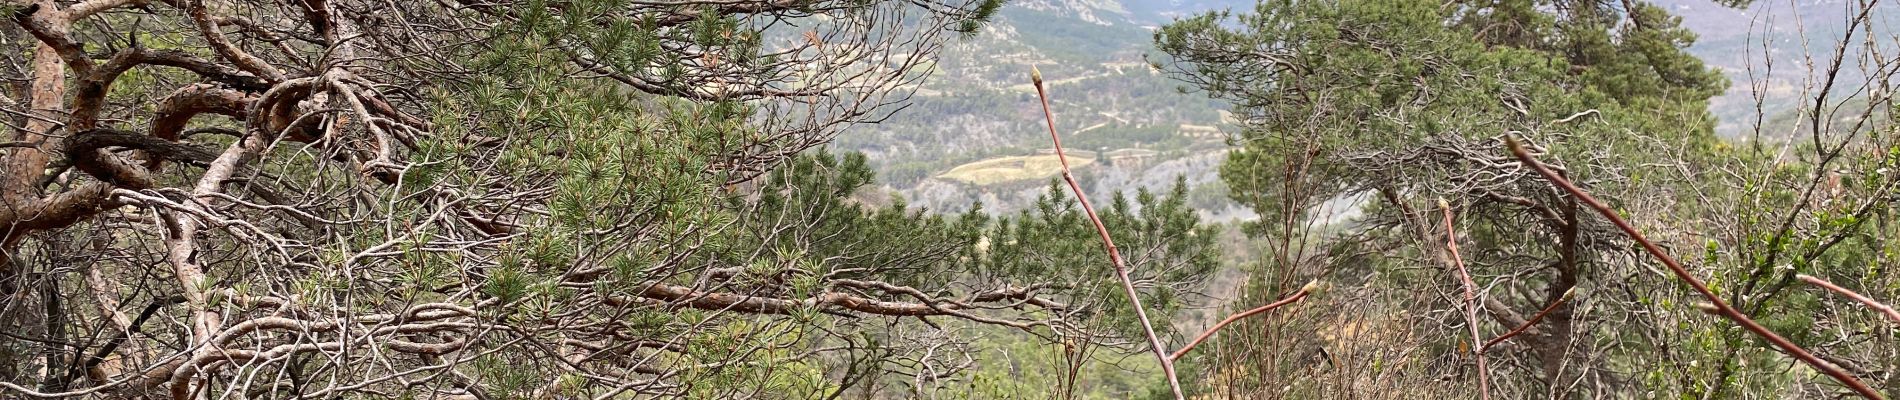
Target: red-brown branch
(1296, 297)
(1471, 301)
(1114, 256)
(1527, 323)
(1721, 308)
(1870, 302)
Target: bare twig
(1471, 301)
(1871, 303)
(1527, 323)
(1574, 117)
(1121, 267)
(1294, 298)
(1721, 308)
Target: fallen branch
(1720, 307)
(745, 303)
(1305, 291)
(1114, 256)
(1877, 306)
(1471, 300)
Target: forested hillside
(977, 108)
(961, 199)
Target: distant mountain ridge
(1100, 12)
(1732, 40)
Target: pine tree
(1393, 104)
